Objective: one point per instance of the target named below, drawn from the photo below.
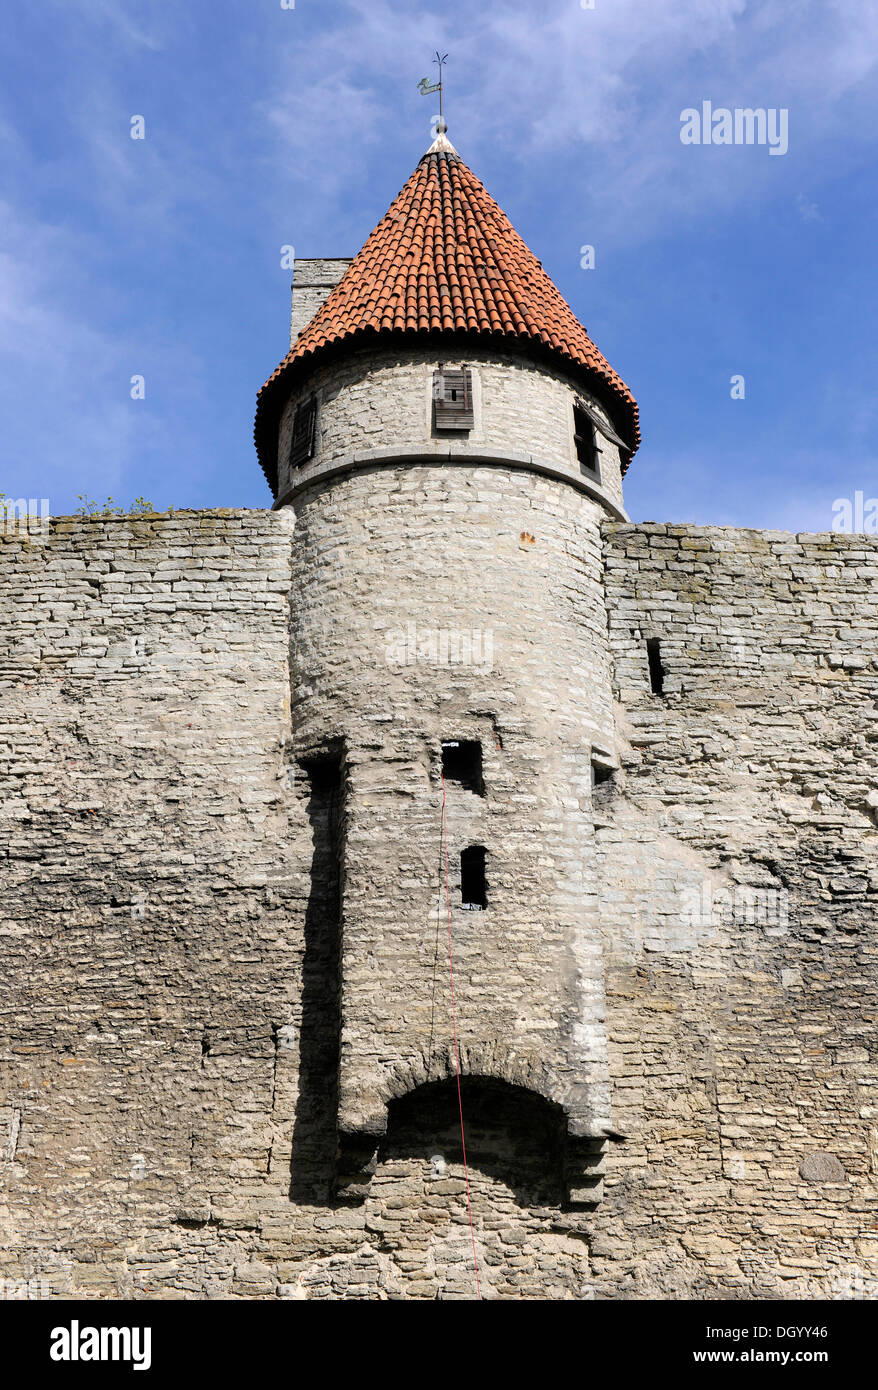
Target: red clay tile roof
(444, 259)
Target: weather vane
(425, 87)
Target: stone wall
(522, 412)
(739, 854)
(312, 282)
(181, 797)
(145, 707)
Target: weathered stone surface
(379, 403)
(687, 947)
(821, 1168)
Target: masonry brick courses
(168, 880)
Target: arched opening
(512, 1134)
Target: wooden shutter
(606, 430)
(302, 442)
(583, 438)
(453, 397)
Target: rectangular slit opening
(462, 764)
(601, 772)
(656, 669)
(473, 888)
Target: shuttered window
(606, 430)
(453, 398)
(584, 440)
(304, 431)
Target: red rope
(456, 1050)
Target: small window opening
(584, 440)
(601, 772)
(462, 763)
(453, 398)
(473, 890)
(656, 669)
(304, 432)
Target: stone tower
(266, 775)
(450, 440)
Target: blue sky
(268, 126)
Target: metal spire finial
(441, 144)
(441, 59)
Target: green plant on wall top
(88, 506)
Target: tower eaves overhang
(445, 266)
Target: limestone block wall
(312, 282)
(739, 857)
(522, 410)
(147, 963)
(169, 852)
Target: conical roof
(444, 261)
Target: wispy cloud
(81, 430)
(134, 30)
(267, 126)
(569, 82)
(43, 346)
